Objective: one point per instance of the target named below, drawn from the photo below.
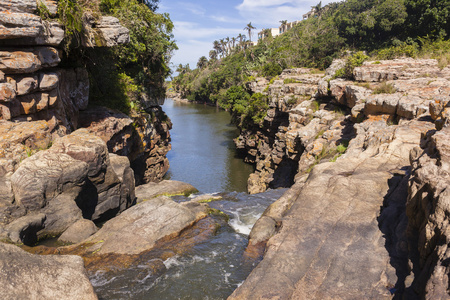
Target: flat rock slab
(28, 276)
(141, 226)
(330, 245)
(163, 188)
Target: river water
(203, 152)
(203, 155)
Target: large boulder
(27, 276)
(74, 179)
(141, 226)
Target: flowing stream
(203, 155)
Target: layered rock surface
(27, 276)
(76, 178)
(330, 244)
(373, 223)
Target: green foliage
(290, 80)
(384, 28)
(271, 70)
(70, 14)
(403, 50)
(352, 61)
(124, 75)
(385, 88)
(315, 105)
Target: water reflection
(203, 152)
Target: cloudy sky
(198, 23)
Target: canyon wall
(61, 159)
(367, 215)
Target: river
(203, 152)
(203, 155)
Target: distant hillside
(383, 29)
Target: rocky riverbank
(63, 163)
(367, 219)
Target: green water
(203, 153)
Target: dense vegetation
(382, 28)
(126, 76)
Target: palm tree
(217, 46)
(228, 45)
(223, 44)
(213, 55)
(202, 61)
(283, 25)
(233, 41)
(249, 28)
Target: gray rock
(28, 276)
(166, 187)
(62, 212)
(78, 231)
(28, 60)
(26, 85)
(112, 31)
(45, 175)
(138, 228)
(330, 244)
(19, 25)
(48, 81)
(121, 166)
(25, 229)
(27, 6)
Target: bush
(385, 88)
(271, 70)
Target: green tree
(428, 17)
(202, 62)
(249, 29)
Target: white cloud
(192, 8)
(194, 31)
(268, 13)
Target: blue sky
(199, 23)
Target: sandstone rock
(19, 25)
(27, 276)
(113, 127)
(26, 85)
(48, 81)
(330, 244)
(45, 175)
(51, 5)
(403, 68)
(28, 60)
(25, 229)
(78, 231)
(18, 140)
(28, 6)
(138, 228)
(62, 212)
(83, 146)
(112, 31)
(167, 187)
(383, 104)
(427, 209)
(7, 92)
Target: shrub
(385, 88)
(271, 70)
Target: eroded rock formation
(371, 221)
